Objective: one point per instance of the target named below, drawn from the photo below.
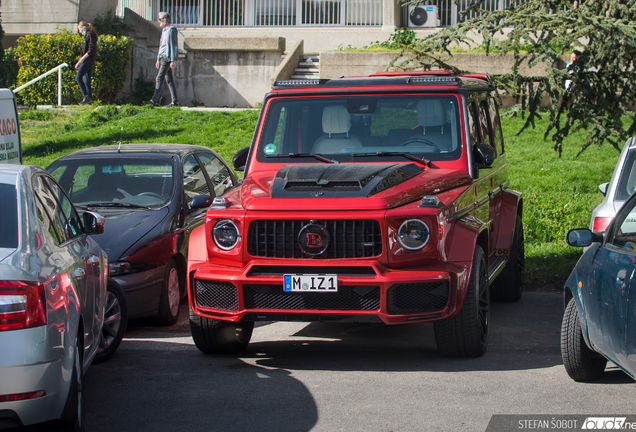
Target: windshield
(426, 126)
(138, 182)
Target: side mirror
(484, 155)
(583, 237)
(201, 201)
(240, 159)
(603, 188)
(93, 222)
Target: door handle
(78, 273)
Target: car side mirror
(583, 237)
(201, 201)
(93, 223)
(484, 155)
(603, 188)
(240, 159)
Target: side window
(73, 226)
(484, 119)
(194, 182)
(52, 208)
(473, 120)
(45, 220)
(496, 125)
(624, 235)
(218, 173)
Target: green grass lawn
(558, 193)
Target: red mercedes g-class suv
(380, 198)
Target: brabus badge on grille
(313, 239)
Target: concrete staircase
(308, 68)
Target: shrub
(38, 54)
(9, 69)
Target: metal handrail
(59, 81)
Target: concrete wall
(214, 71)
(20, 17)
(337, 64)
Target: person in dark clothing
(86, 63)
(166, 60)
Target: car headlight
(413, 234)
(225, 234)
(119, 268)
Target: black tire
(581, 363)
(115, 322)
(170, 296)
(214, 336)
(508, 286)
(465, 334)
(73, 414)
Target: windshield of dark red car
(145, 182)
(427, 126)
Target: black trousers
(165, 72)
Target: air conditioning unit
(423, 16)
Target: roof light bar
(432, 79)
(296, 83)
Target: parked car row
(99, 237)
(599, 324)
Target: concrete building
(20, 17)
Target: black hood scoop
(340, 180)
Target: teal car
(599, 323)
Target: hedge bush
(38, 54)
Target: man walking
(166, 60)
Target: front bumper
(143, 291)
(367, 291)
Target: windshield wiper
(297, 155)
(111, 204)
(403, 154)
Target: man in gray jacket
(166, 60)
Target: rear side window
(9, 218)
(627, 181)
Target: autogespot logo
(604, 423)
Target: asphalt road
(346, 377)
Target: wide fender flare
(197, 248)
(511, 206)
(467, 232)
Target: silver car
(52, 299)
(620, 187)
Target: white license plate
(310, 283)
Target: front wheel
(115, 321)
(212, 336)
(581, 363)
(73, 414)
(170, 296)
(465, 334)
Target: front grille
(417, 297)
(348, 298)
(216, 295)
(349, 238)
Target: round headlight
(413, 234)
(225, 234)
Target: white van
(10, 144)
